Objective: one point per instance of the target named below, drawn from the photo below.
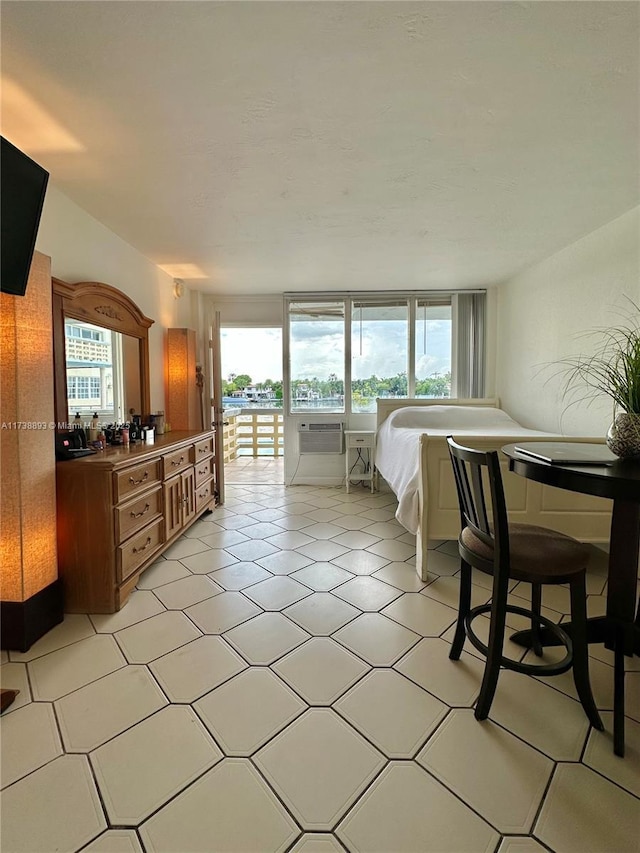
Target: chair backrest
(468, 465)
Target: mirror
(101, 353)
(101, 372)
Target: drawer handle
(179, 462)
(146, 509)
(203, 470)
(141, 480)
(144, 547)
(203, 450)
(204, 494)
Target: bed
(412, 456)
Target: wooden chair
(521, 552)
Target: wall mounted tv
(23, 184)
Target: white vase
(623, 437)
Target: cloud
(312, 331)
(256, 352)
(437, 358)
(317, 357)
(385, 349)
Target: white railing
(253, 432)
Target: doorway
(251, 388)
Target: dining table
(619, 481)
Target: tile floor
(262, 469)
(279, 681)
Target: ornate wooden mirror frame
(102, 305)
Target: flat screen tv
(23, 184)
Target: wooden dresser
(121, 508)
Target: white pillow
(449, 417)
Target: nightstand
(360, 456)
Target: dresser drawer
(134, 515)
(127, 483)
(204, 470)
(203, 448)
(178, 460)
(204, 493)
(139, 548)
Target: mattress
(398, 445)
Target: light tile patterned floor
(247, 470)
(280, 681)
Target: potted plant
(612, 369)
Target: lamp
(31, 592)
(181, 388)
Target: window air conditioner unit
(320, 437)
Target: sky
(317, 350)
(256, 352)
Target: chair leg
(581, 650)
(494, 649)
(464, 606)
(536, 606)
(618, 694)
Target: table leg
(621, 592)
(623, 571)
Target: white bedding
(398, 445)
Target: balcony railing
(253, 432)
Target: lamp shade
(181, 393)
(28, 552)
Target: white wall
(82, 249)
(543, 312)
(264, 310)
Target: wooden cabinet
(179, 501)
(119, 509)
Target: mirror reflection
(103, 372)
(101, 353)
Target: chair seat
(537, 554)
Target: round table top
(619, 480)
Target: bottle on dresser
(78, 427)
(94, 428)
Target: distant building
(254, 394)
(305, 392)
(89, 359)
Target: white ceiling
(333, 145)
